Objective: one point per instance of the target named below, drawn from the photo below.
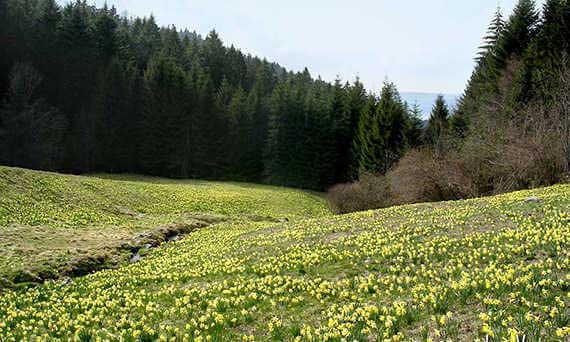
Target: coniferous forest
(86, 90)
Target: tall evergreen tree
(547, 54)
(341, 114)
(381, 137)
(105, 34)
(238, 136)
(357, 101)
(165, 119)
(202, 126)
(392, 118)
(490, 41)
(414, 127)
(438, 124)
(214, 58)
(483, 82)
(31, 132)
(518, 32)
(363, 141)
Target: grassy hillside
(52, 224)
(497, 267)
(54, 200)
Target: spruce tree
(238, 137)
(31, 133)
(518, 32)
(105, 34)
(483, 83)
(341, 115)
(171, 43)
(414, 127)
(357, 101)
(548, 53)
(438, 125)
(494, 32)
(214, 57)
(202, 125)
(165, 119)
(275, 154)
(363, 141)
(392, 124)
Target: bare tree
(562, 110)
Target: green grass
(40, 198)
(52, 224)
(495, 268)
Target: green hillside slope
(496, 268)
(53, 224)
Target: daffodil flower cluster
(494, 269)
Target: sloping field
(493, 268)
(53, 225)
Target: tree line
(83, 89)
(514, 116)
(510, 130)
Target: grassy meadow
(494, 269)
(53, 224)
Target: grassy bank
(53, 224)
(497, 267)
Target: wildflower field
(52, 223)
(495, 269)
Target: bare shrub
(418, 177)
(421, 177)
(370, 192)
(534, 153)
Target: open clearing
(461, 271)
(53, 225)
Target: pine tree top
(494, 31)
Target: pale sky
(421, 45)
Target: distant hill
(426, 100)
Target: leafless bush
(535, 152)
(370, 192)
(561, 113)
(418, 177)
(421, 177)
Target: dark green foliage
(125, 95)
(33, 130)
(548, 52)
(438, 124)
(510, 130)
(7, 42)
(459, 125)
(381, 136)
(414, 127)
(518, 33)
(494, 32)
(165, 121)
(343, 130)
(518, 64)
(482, 83)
